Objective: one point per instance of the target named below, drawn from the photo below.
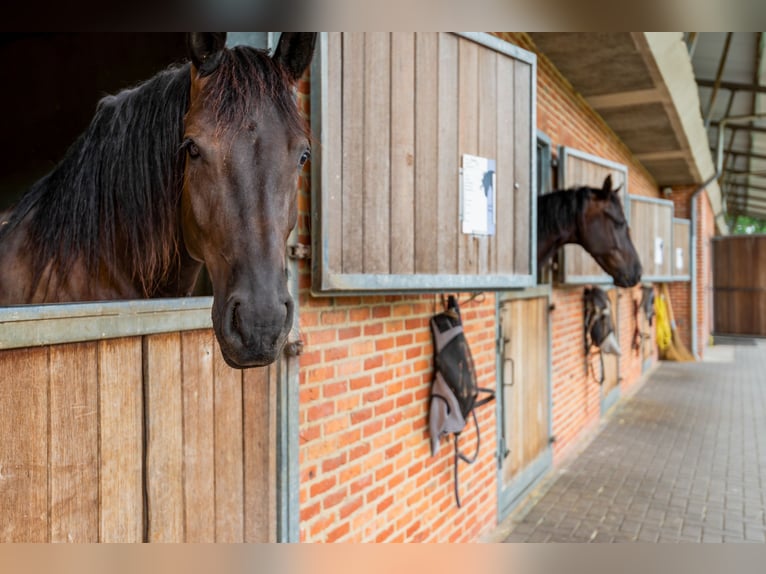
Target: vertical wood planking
(523, 126)
(468, 114)
(612, 362)
(197, 348)
(402, 152)
(506, 172)
(74, 443)
(377, 133)
(332, 152)
(445, 202)
(121, 448)
(258, 398)
(427, 146)
(353, 150)
(24, 448)
(229, 487)
(164, 438)
(487, 245)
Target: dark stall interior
(51, 85)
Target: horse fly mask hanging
(598, 326)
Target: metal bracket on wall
(299, 251)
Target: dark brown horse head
(245, 145)
(604, 233)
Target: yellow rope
(664, 334)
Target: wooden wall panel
(681, 239)
(137, 439)
(739, 285)
(427, 143)
(402, 152)
(229, 486)
(259, 399)
(74, 456)
(121, 408)
(24, 445)
(164, 438)
(412, 105)
(651, 219)
(579, 169)
(197, 349)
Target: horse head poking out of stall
(593, 218)
(197, 165)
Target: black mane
(121, 180)
(558, 209)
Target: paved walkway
(682, 460)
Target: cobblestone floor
(682, 460)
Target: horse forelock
(244, 82)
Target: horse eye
(191, 148)
(304, 158)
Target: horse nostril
(235, 327)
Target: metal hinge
(299, 251)
(294, 348)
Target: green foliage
(744, 225)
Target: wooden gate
(739, 285)
(148, 436)
(524, 405)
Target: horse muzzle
(251, 337)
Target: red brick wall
(366, 473)
(365, 467)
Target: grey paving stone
(682, 460)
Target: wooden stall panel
(739, 285)
(611, 362)
(651, 225)
(136, 439)
(164, 438)
(74, 455)
(197, 348)
(121, 435)
(681, 253)
(24, 445)
(397, 112)
(579, 169)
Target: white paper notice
(679, 257)
(478, 195)
(659, 245)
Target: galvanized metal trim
(577, 280)
(659, 278)
(612, 398)
(359, 283)
(500, 45)
(657, 200)
(524, 482)
(30, 326)
(543, 290)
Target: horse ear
(295, 51)
(205, 49)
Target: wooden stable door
(610, 388)
(525, 396)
